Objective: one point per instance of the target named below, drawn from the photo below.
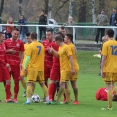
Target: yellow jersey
(73, 49)
(25, 47)
(64, 53)
(109, 50)
(36, 52)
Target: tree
(71, 7)
(1, 7)
(20, 7)
(93, 11)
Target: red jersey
(17, 45)
(3, 57)
(48, 61)
(55, 60)
(101, 94)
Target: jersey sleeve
(68, 51)
(104, 49)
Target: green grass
(88, 83)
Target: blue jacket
(23, 29)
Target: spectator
(102, 20)
(70, 23)
(62, 30)
(42, 21)
(9, 28)
(23, 29)
(113, 22)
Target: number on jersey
(114, 50)
(39, 47)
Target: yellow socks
(109, 94)
(29, 91)
(68, 95)
(60, 93)
(45, 90)
(23, 82)
(33, 88)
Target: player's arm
(26, 62)
(72, 64)
(54, 52)
(21, 57)
(103, 64)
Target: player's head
(28, 38)
(104, 39)
(62, 30)
(114, 97)
(33, 36)
(109, 33)
(49, 34)
(58, 39)
(2, 37)
(68, 38)
(15, 33)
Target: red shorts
(4, 74)
(47, 71)
(15, 72)
(55, 73)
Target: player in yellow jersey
(73, 79)
(109, 65)
(66, 67)
(35, 71)
(22, 74)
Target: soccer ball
(35, 98)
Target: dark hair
(59, 38)
(60, 33)
(27, 34)
(49, 30)
(43, 11)
(102, 10)
(70, 36)
(17, 29)
(115, 8)
(33, 35)
(1, 33)
(110, 33)
(62, 27)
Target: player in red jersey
(4, 67)
(101, 94)
(15, 50)
(48, 61)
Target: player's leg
(67, 90)
(40, 79)
(16, 78)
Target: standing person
(35, 71)
(42, 21)
(62, 30)
(9, 28)
(48, 61)
(22, 74)
(66, 67)
(102, 20)
(15, 49)
(109, 66)
(4, 67)
(70, 23)
(23, 29)
(73, 79)
(113, 22)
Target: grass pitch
(88, 82)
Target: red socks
(16, 89)
(7, 90)
(52, 90)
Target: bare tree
(93, 11)
(20, 7)
(1, 7)
(71, 7)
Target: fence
(79, 32)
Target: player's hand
(12, 51)
(72, 71)
(50, 50)
(25, 71)
(102, 74)
(8, 66)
